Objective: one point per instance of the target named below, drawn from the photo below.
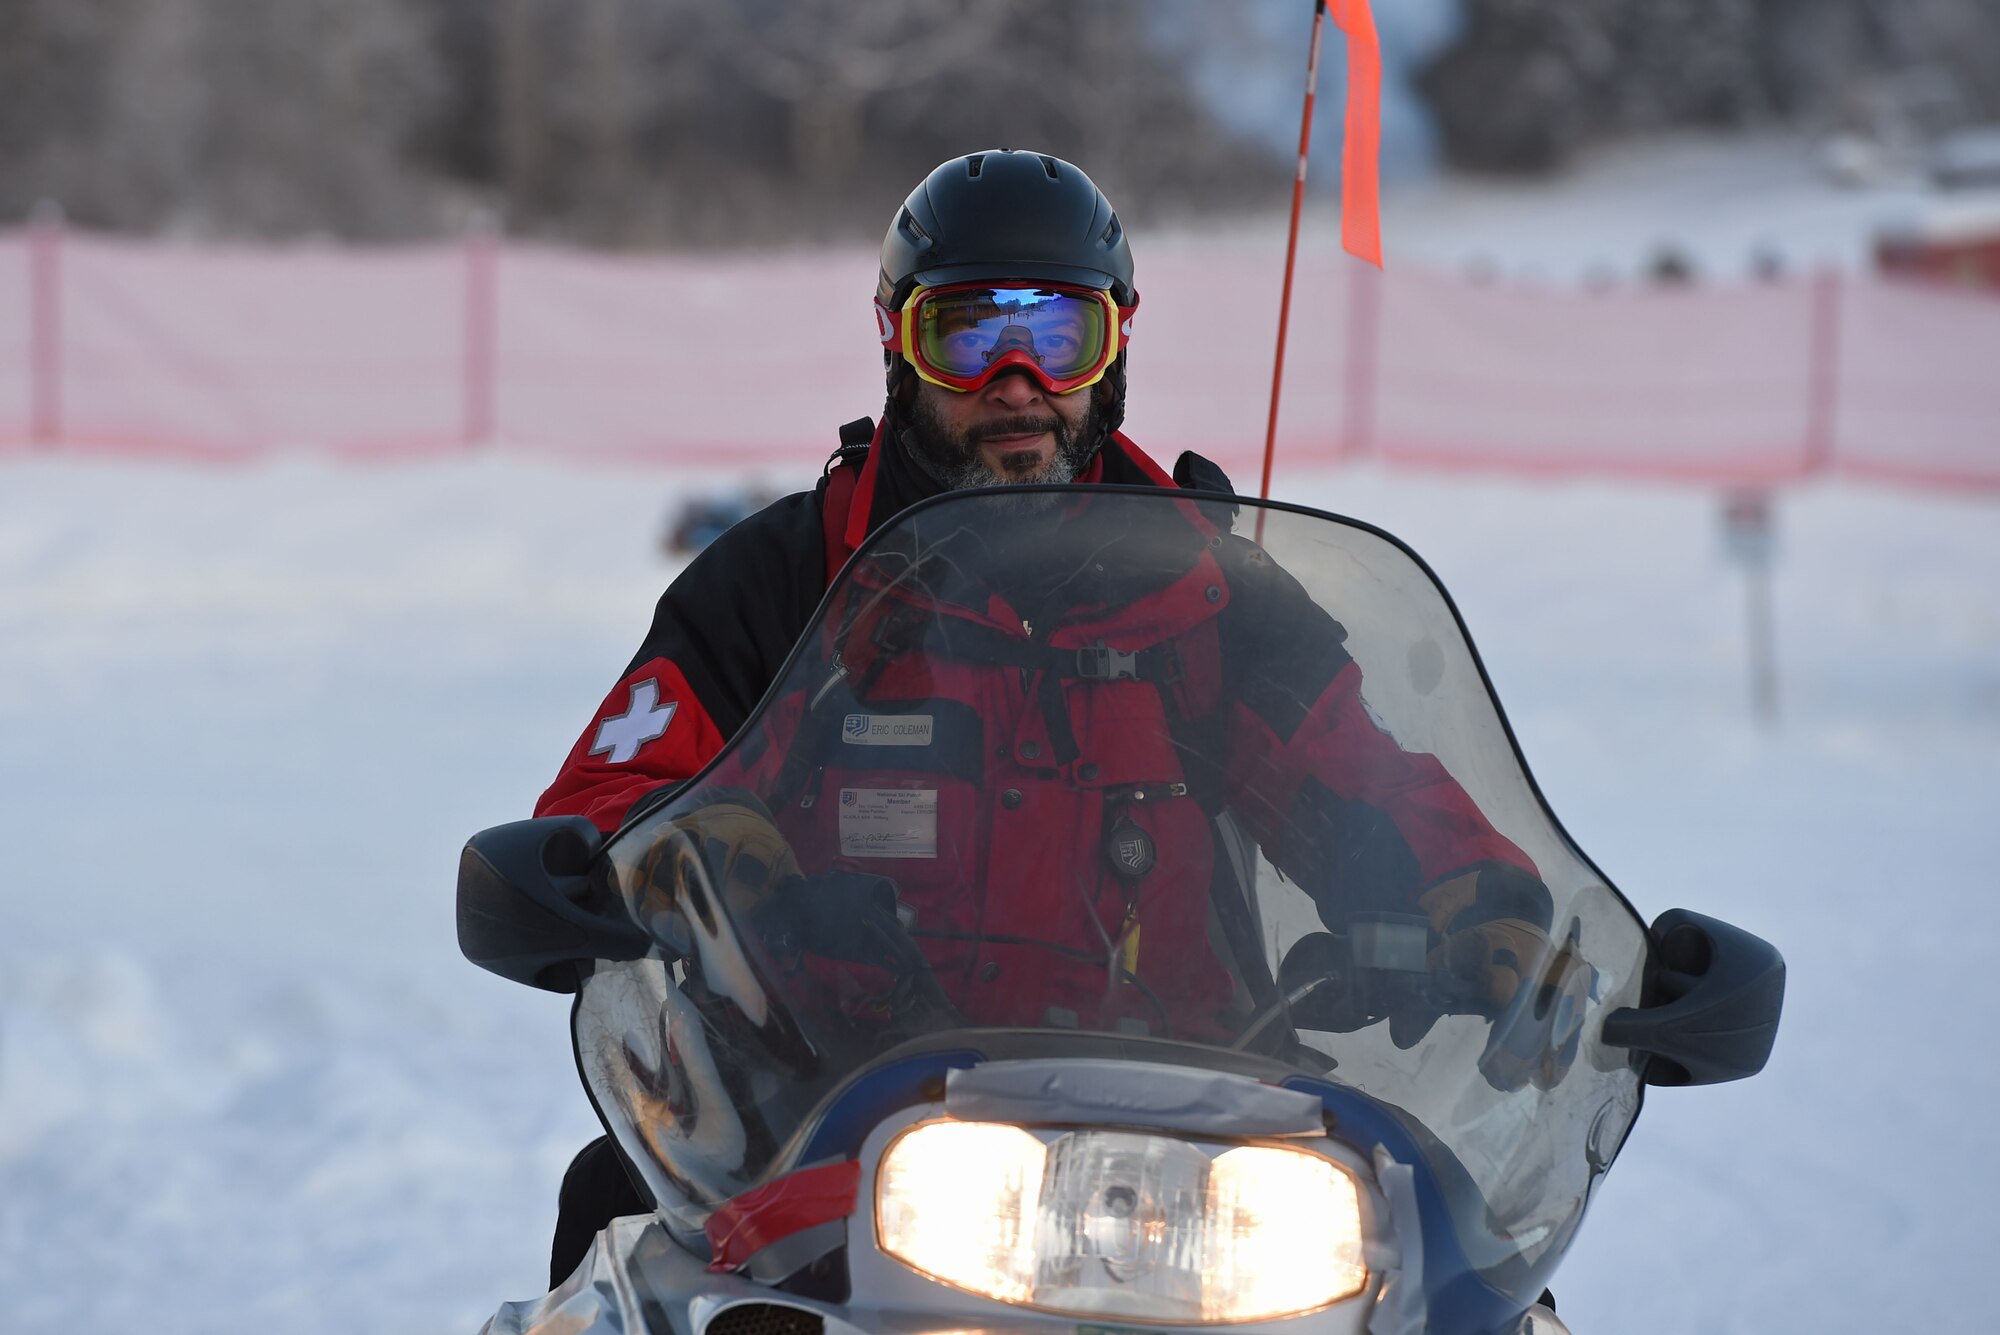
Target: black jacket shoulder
(730, 619)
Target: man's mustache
(1024, 425)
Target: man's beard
(954, 461)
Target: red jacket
(1084, 804)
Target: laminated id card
(888, 822)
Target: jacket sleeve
(720, 634)
(1331, 797)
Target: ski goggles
(963, 335)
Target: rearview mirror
(1712, 1000)
(530, 908)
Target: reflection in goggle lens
(963, 332)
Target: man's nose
(1014, 390)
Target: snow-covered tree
(1528, 82)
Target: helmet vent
(1049, 166)
(909, 227)
(1112, 231)
(973, 164)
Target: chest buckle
(1100, 662)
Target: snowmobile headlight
(1122, 1223)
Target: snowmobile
(866, 1091)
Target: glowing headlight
(1112, 1222)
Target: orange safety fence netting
(230, 352)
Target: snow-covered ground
(248, 717)
(1722, 204)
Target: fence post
(45, 233)
(1823, 371)
(1749, 537)
(481, 333)
(1364, 336)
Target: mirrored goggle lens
(964, 331)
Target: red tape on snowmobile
(747, 1224)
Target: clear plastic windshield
(1097, 760)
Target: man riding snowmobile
(1004, 732)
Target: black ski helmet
(1007, 215)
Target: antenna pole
(1291, 253)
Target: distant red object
(1956, 243)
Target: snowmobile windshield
(1102, 760)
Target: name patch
(887, 729)
(888, 822)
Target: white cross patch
(644, 719)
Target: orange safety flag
(1360, 205)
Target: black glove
(1494, 958)
(838, 915)
(1377, 968)
(745, 861)
(1539, 1027)
(853, 918)
(1481, 948)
